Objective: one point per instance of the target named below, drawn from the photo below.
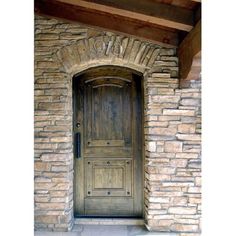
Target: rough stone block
(159, 199)
(173, 146)
(190, 102)
(182, 210)
(186, 128)
(155, 206)
(184, 227)
(46, 219)
(179, 201)
(158, 177)
(194, 164)
(42, 166)
(165, 99)
(160, 75)
(56, 157)
(43, 185)
(60, 168)
(41, 179)
(194, 200)
(179, 162)
(198, 181)
(61, 139)
(176, 112)
(194, 189)
(162, 131)
(167, 170)
(191, 137)
(42, 198)
(169, 118)
(167, 52)
(160, 91)
(187, 155)
(157, 124)
(45, 64)
(151, 146)
(165, 223)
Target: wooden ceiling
(165, 22)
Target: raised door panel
(108, 178)
(108, 130)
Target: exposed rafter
(148, 11)
(73, 11)
(189, 53)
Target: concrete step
(108, 221)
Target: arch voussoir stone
(105, 50)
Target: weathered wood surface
(111, 160)
(124, 24)
(189, 53)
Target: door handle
(78, 145)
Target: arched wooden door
(108, 143)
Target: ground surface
(105, 230)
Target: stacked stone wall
(173, 155)
(172, 125)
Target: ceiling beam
(189, 53)
(149, 11)
(70, 11)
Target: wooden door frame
(74, 94)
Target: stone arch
(140, 56)
(119, 51)
(114, 50)
(107, 50)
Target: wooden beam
(196, 1)
(198, 14)
(108, 21)
(149, 11)
(189, 53)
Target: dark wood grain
(189, 53)
(109, 21)
(111, 165)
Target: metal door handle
(78, 145)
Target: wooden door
(108, 117)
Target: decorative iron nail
(88, 192)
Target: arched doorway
(108, 131)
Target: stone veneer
(172, 125)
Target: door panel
(108, 120)
(109, 207)
(108, 176)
